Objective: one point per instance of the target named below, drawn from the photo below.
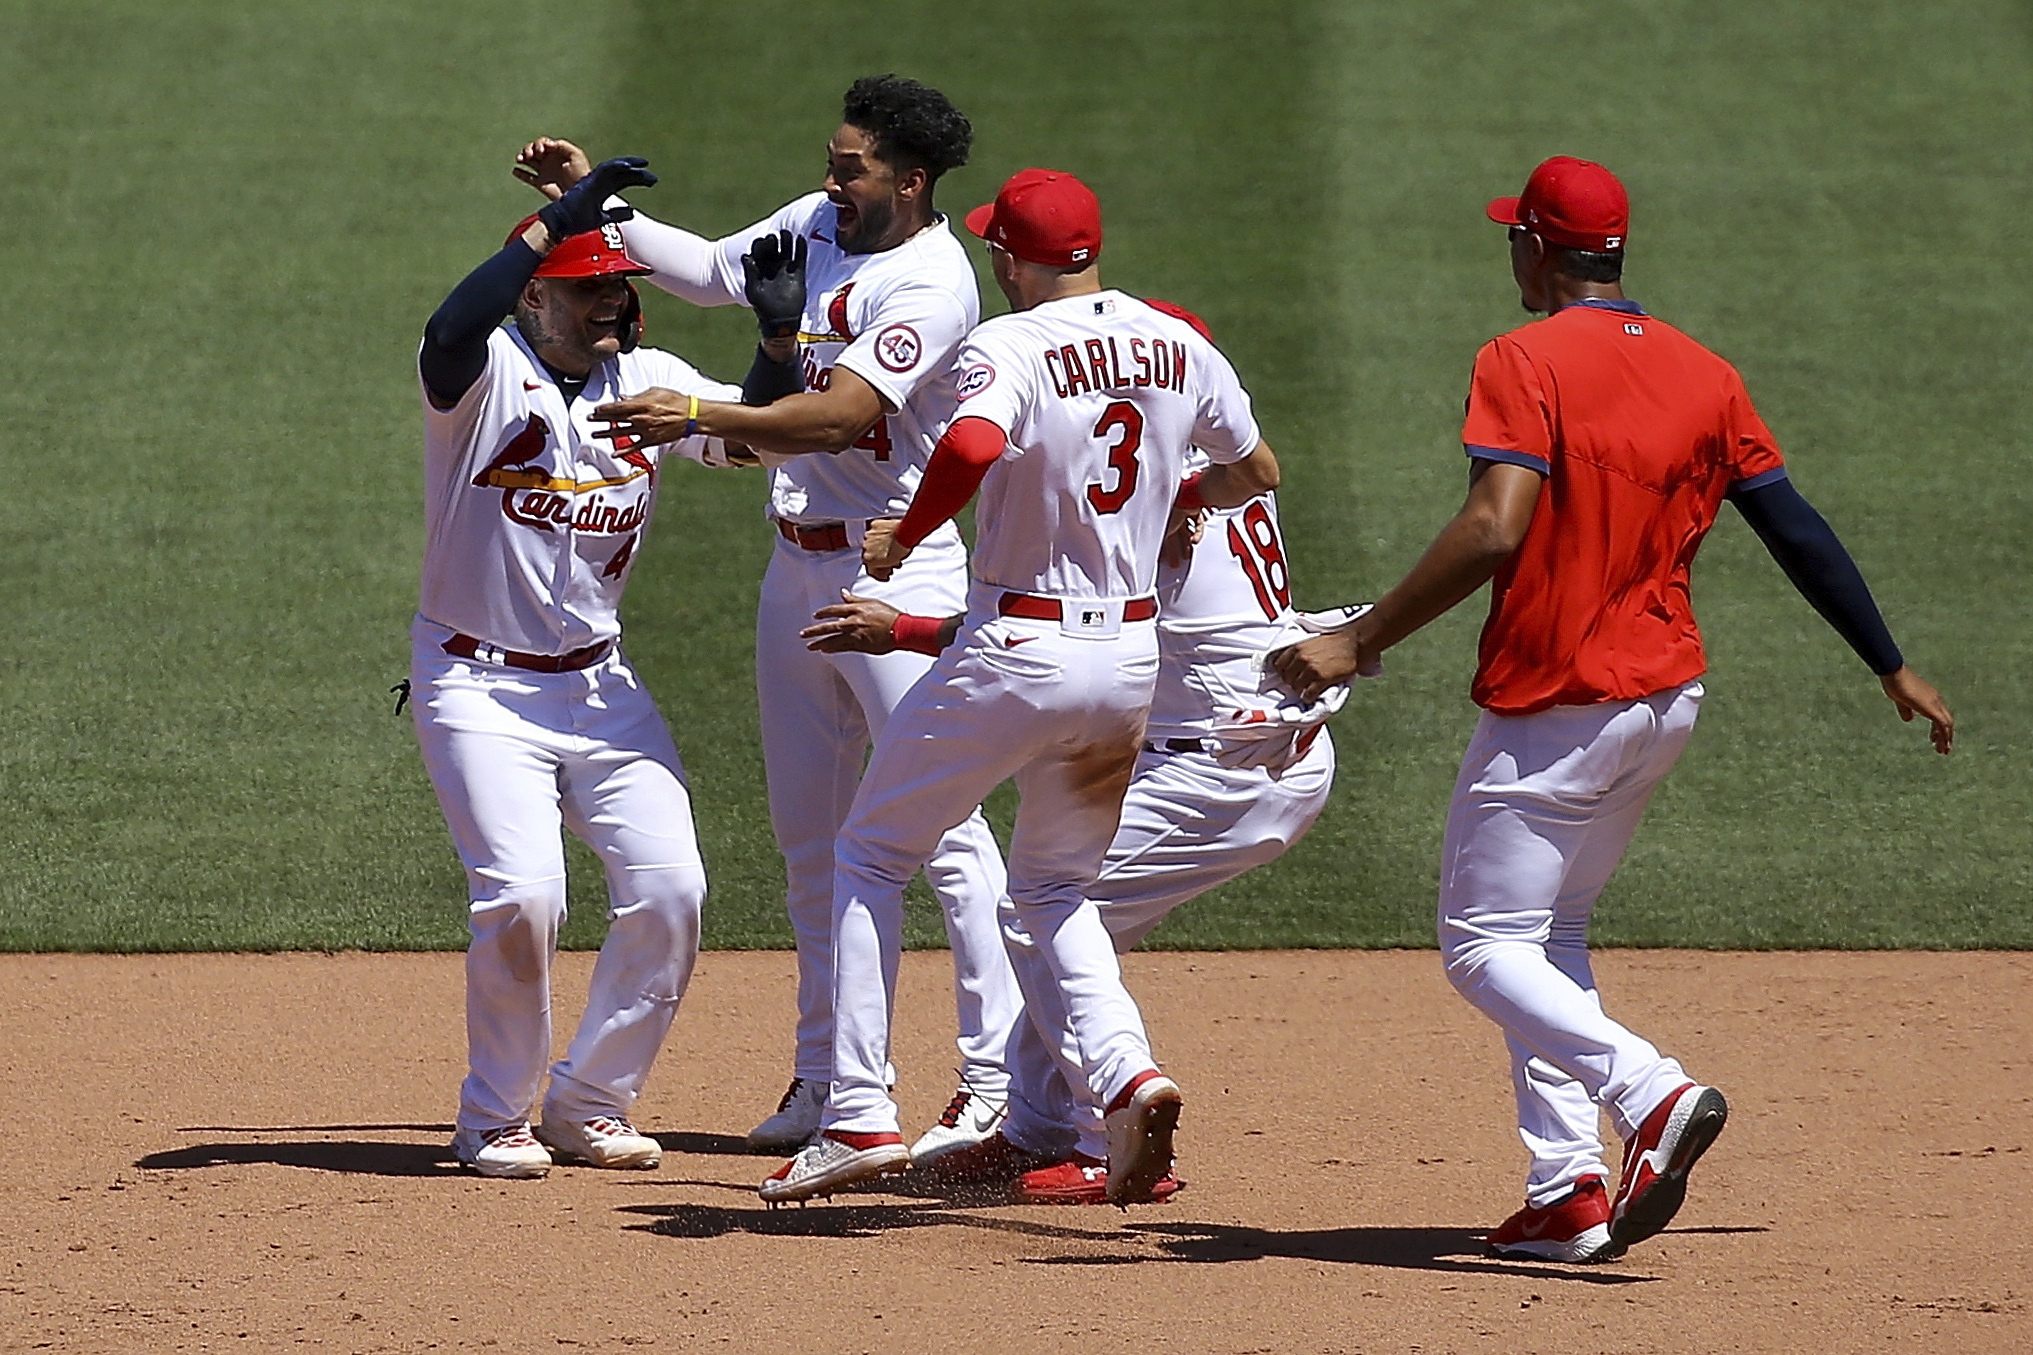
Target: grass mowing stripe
(243, 214)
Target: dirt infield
(247, 1153)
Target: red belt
(466, 647)
(1049, 609)
(823, 536)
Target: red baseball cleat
(1083, 1180)
(1658, 1158)
(1572, 1228)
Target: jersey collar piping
(1605, 303)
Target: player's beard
(566, 346)
(871, 223)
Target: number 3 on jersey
(1128, 420)
(1256, 544)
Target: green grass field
(229, 220)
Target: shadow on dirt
(831, 1220)
(1457, 1250)
(351, 1156)
(707, 1145)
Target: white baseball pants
(1061, 713)
(1188, 825)
(515, 757)
(1542, 812)
(819, 713)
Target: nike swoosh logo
(532, 385)
(1016, 640)
(1535, 1231)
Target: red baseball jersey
(1640, 432)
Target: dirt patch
(219, 1152)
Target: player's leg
(1070, 802)
(967, 876)
(945, 747)
(626, 797)
(493, 763)
(1524, 809)
(966, 870)
(813, 741)
(1190, 825)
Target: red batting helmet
(589, 254)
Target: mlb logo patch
(1093, 616)
(1633, 327)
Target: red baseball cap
(589, 254)
(1570, 202)
(1042, 216)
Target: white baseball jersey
(895, 319)
(1218, 614)
(531, 522)
(1101, 397)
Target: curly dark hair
(914, 125)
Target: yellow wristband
(691, 415)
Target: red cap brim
(1504, 211)
(978, 219)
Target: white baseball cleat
(603, 1141)
(510, 1151)
(796, 1121)
(1140, 1122)
(833, 1161)
(969, 1118)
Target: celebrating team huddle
(1123, 644)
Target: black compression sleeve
(1806, 547)
(769, 381)
(455, 341)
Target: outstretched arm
(1816, 563)
(1467, 553)
(455, 339)
(816, 421)
(687, 265)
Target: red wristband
(1188, 499)
(917, 633)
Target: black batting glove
(583, 208)
(774, 268)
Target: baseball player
(1076, 411)
(1233, 771)
(528, 714)
(1602, 442)
(889, 296)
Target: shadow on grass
(1447, 1250)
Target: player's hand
(1312, 666)
(1914, 695)
(583, 206)
(1181, 537)
(852, 625)
(551, 165)
(774, 273)
(655, 416)
(881, 553)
